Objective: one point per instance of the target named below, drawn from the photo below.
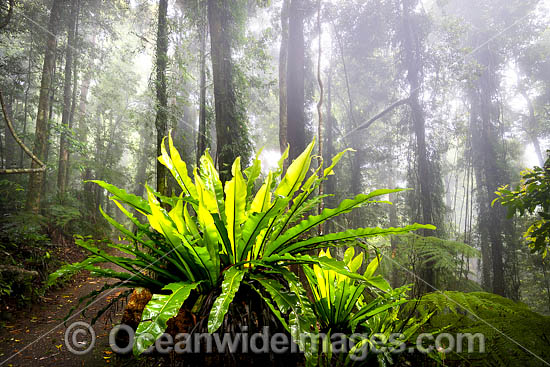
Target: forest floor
(35, 336)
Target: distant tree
(34, 191)
(231, 121)
(63, 166)
(413, 59)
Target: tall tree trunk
(67, 98)
(84, 88)
(486, 161)
(41, 134)
(161, 120)
(330, 185)
(392, 214)
(53, 90)
(25, 108)
(231, 124)
(414, 65)
(296, 131)
(283, 58)
(82, 133)
(73, 98)
(71, 123)
(202, 135)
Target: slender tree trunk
(141, 173)
(161, 120)
(71, 124)
(67, 98)
(231, 124)
(11, 144)
(83, 136)
(283, 58)
(202, 136)
(393, 223)
(74, 97)
(41, 134)
(53, 90)
(330, 185)
(25, 108)
(6, 131)
(296, 131)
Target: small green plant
(531, 196)
(215, 239)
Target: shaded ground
(36, 336)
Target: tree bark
(296, 131)
(231, 124)
(41, 133)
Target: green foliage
(341, 305)
(448, 258)
(514, 335)
(25, 246)
(215, 243)
(231, 281)
(336, 296)
(531, 196)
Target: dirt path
(35, 337)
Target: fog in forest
(307, 167)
